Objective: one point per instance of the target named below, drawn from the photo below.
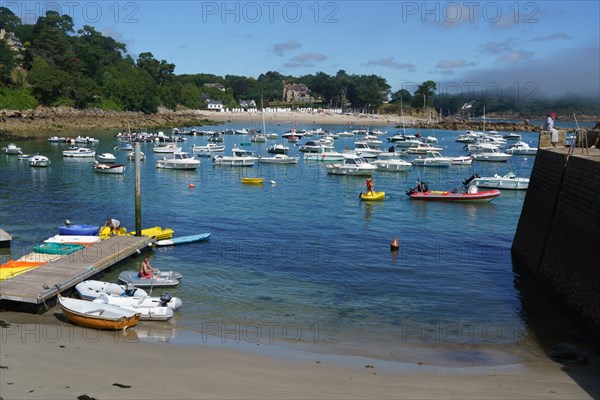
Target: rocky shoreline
(457, 125)
(13, 123)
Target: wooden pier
(41, 285)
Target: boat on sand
(97, 315)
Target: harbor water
(300, 261)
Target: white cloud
(552, 37)
(281, 48)
(308, 56)
(389, 62)
(497, 47)
(515, 57)
(452, 64)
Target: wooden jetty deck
(42, 284)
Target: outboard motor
(130, 290)
(467, 181)
(165, 298)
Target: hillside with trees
(50, 64)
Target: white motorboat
(491, 155)
(12, 149)
(351, 165)
(106, 158)
(508, 181)
(512, 136)
(364, 150)
(179, 160)
(327, 153)
(150, 308)
(79, 152)
(521, 149)
(461, 160)
(278, 159)
(57, 139)
(480, 147)
(239, 158)
(391, 164)
(124, 146)
(469, 137)
(278, 149)
(402, 140)
(109, 168)
(432, 159)
(272, 135)
(208, 149)
(87, 139)
(39, 161)
(430, 139)
(242, 131)
(422, 148)
(310, 147)
(166, 148)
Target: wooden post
(138, 191)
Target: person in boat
(113, 224)
(369, 184)
(146, 270)
(422, 187)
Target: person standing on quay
(550, 127)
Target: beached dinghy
(149, 311)
(91, 290)
(160, 281)
(97, 315)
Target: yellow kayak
(253, 181)
(374, 196)
(156, 232)
(16, 268)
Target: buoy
(191, 186)
(394, 245)
(272, 182)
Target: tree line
(55, 65)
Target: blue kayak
(184, 239)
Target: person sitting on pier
(146, 270)
(113, 224)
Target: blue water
(301, 261)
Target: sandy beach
(51, 359)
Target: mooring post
(138, 191)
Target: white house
(215, 105)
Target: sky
(529, 49)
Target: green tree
(8, 20)
(7, 63)
(424, 94)
(48, 81)
(160, 71)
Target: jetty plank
(42, 283)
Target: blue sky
(529, 48)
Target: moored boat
(278, 159)
(106, 158)
(79, 152)
(12, 149)
(78, 230)
(178, 160)
(97, 315)
(91, 289)
(352, 165)
(156, 281)
(39, 161)
(253, 181)
(508, 181)
(109, 168)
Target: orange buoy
(394, 245)
(191, 186)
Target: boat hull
(184, 239)
(79, 230)
(132, 277)
(480, 197)
(253, 181)
(375, 196)
(97, 316)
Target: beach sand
(353, 121)
(51, 359)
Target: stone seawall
(559, 228)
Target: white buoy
(272, 182)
